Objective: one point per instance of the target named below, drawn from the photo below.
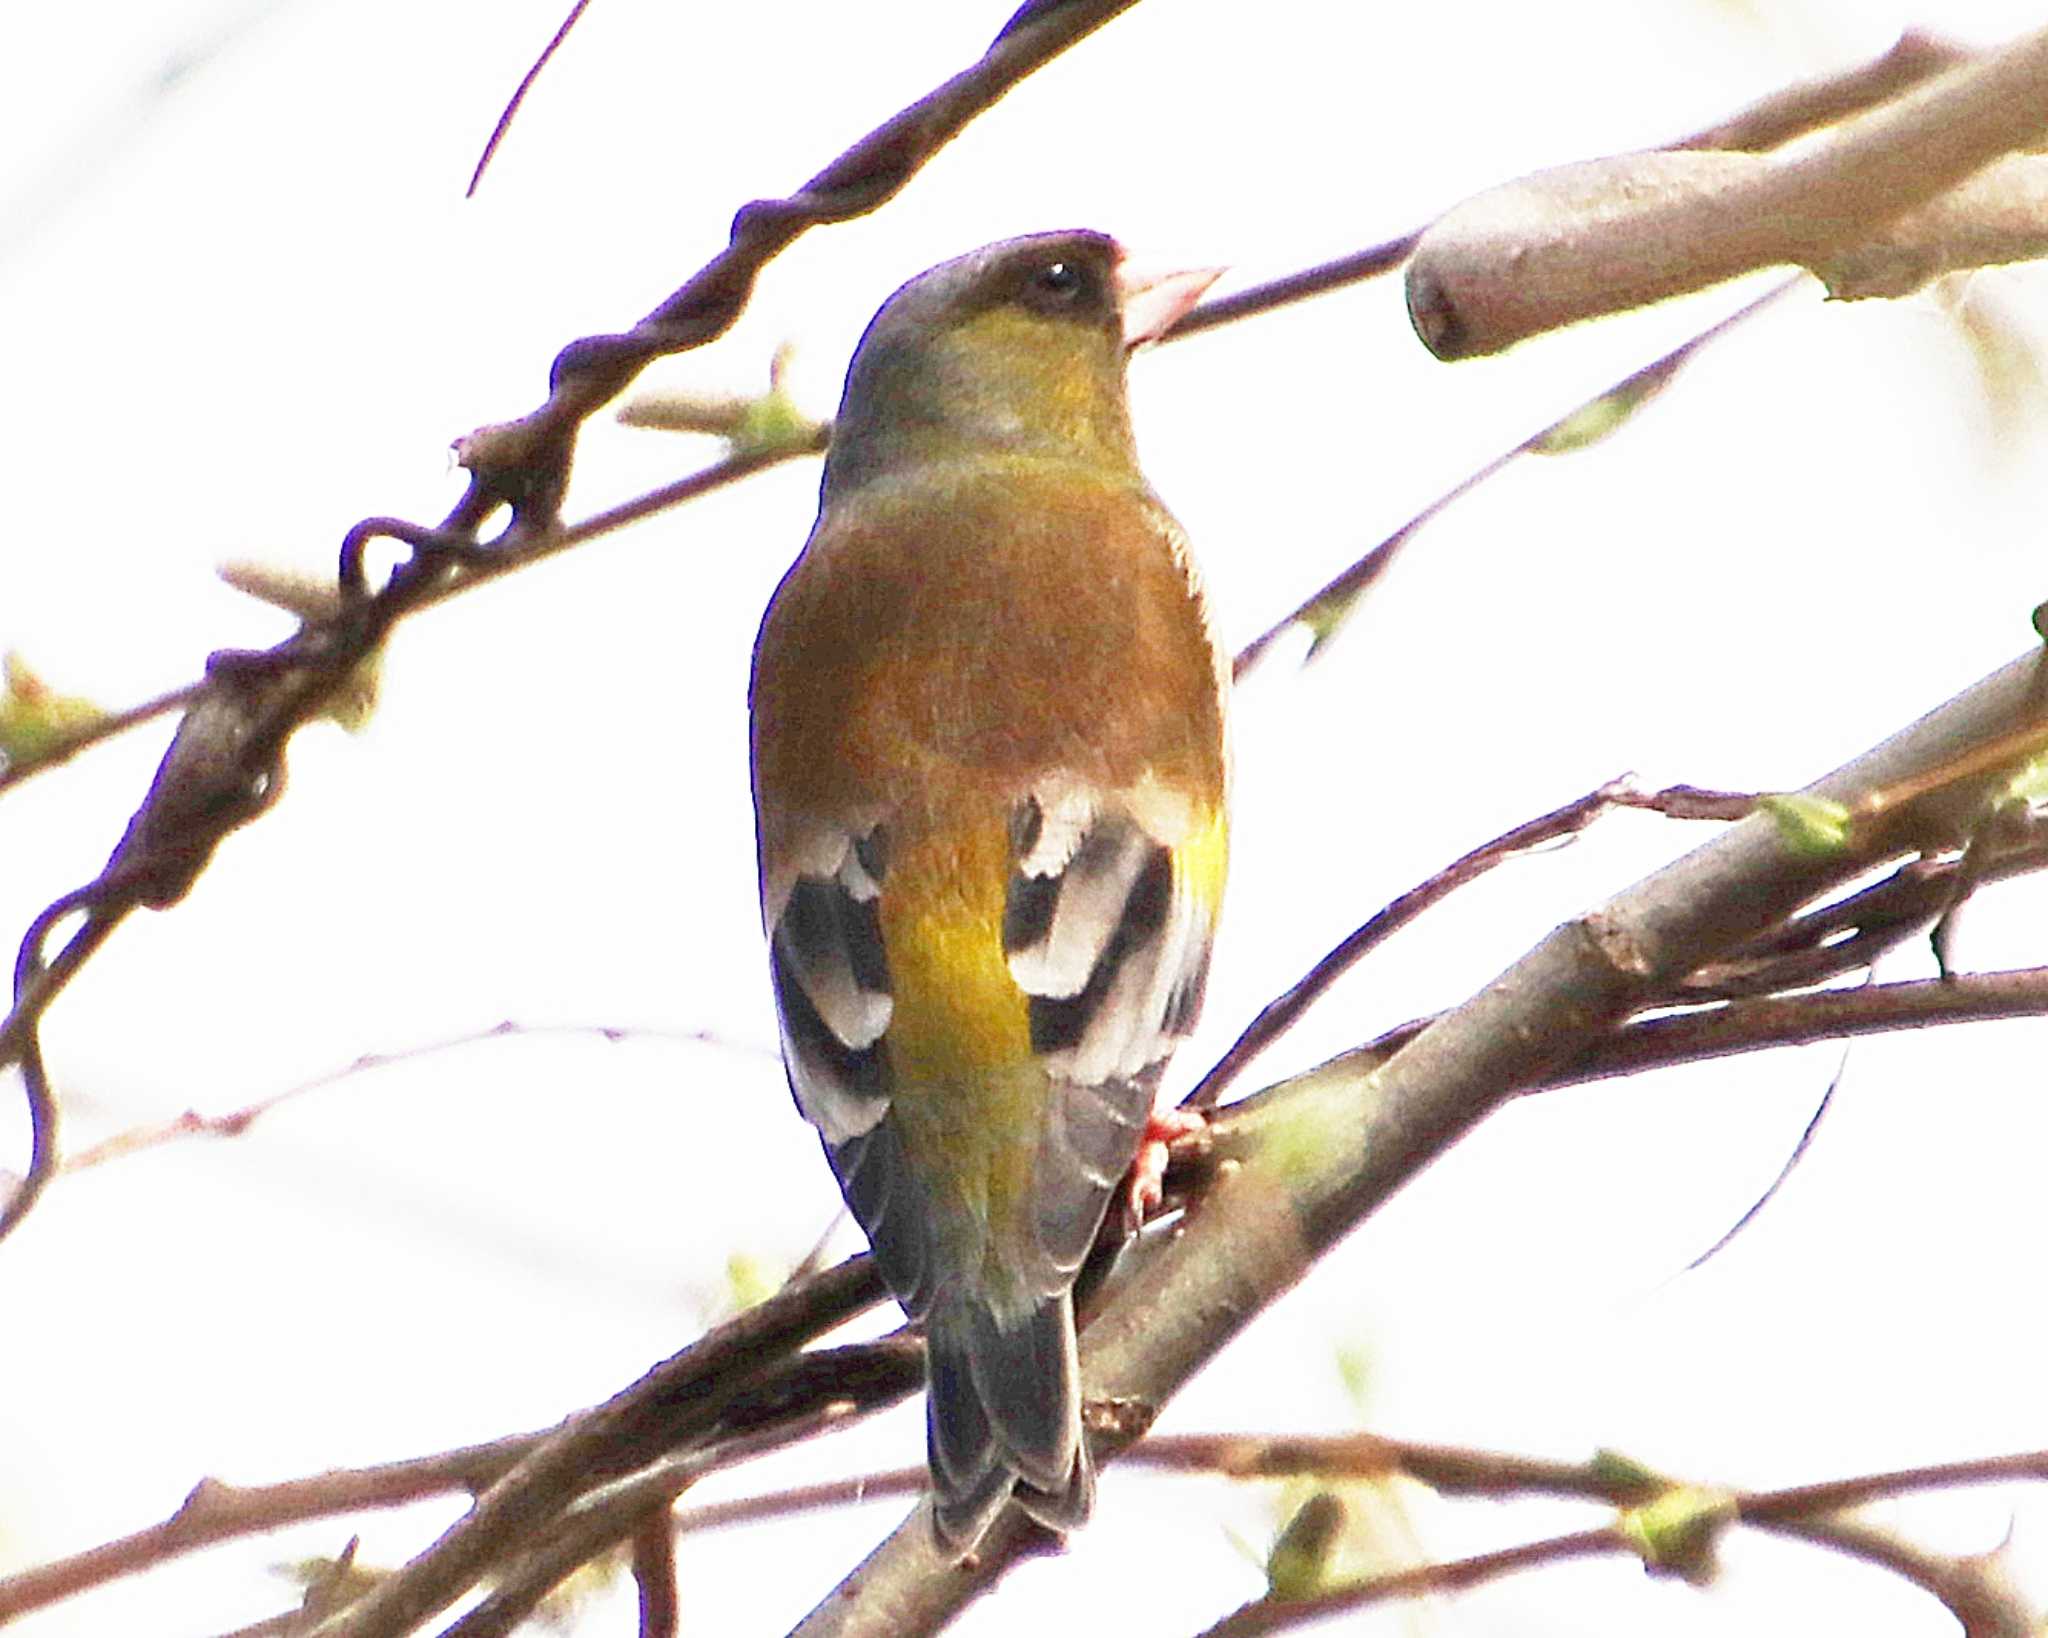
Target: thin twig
(1981, 1600)
(806, 1498)
(1776, 119)
(654, 1574)
(634, 1507)
(1319, 280)
(1328, 607)
(727, 1385)
(1824, 1015)
(60, 751)
(511, 108)
(1795, 1511)
(216, 1512)
(36, 985)
(1848, 934)
(1759, 1024)
(1776, 1186)
(230, 1123)
(1281, 1014)
(705, 1379)
(1452, 1575)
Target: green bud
(1675, 1533)
(1812, 824)
(1299, 1564)
(34, 718)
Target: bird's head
(1017, 348)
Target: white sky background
(246, 312)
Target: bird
(989, 774)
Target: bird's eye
(1062, 281)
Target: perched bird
(988, 758)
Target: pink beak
(1154, 302)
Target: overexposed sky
(245, 304)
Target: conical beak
(1154, 302)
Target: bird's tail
(1004, 1415)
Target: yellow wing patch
(1201, 862)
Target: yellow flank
(1200, 863)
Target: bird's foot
(1145, 1184)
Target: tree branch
(654, 1574)
(216, 1512)
(1774, 120)
(1315, 1165)
(1987, 1609)
(1867, 209)
(687, 1394)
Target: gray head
(1017, 348)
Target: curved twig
(518, 98)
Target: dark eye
(1059, 281)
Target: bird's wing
(831, 974)
(1107, 923)
(1089, 950)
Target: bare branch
(216, 1512)
(632, 1507)
(1862, 205)
(1987, 1607)
(1800, 1020)
(654, 1574)
(690, 1392)
(1983, 1601)
(1453, 1575)
(737, 1383)
(1665, 1041)
(1281, 1014)
(1774, 120)
(1314, 1165)
(230, 1123)
(1997, 216)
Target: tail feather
(1004, 1415)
